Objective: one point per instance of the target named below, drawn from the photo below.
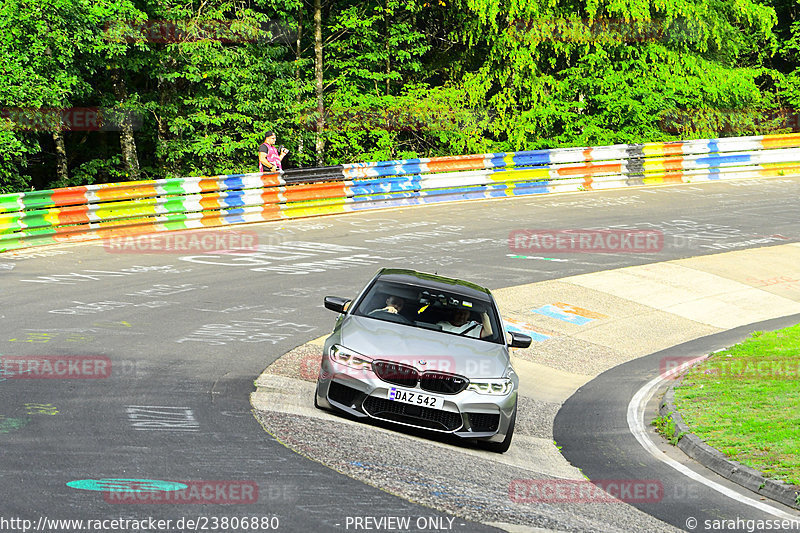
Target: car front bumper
(467, 414)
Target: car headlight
(343, 356)
(496, 387)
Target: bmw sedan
(423, 351)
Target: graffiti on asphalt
(256, 329)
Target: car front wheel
(502, 447)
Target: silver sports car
(424, 351)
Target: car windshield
(431, 308)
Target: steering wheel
(390, 317)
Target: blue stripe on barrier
(718, 159)
(532, 187)
(386, 186)
(231, 182)
(402, 202)
(234, 198)
(535, 159)
(234, 219)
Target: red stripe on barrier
(69, 196)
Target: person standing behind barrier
(269, 160)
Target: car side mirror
(336, 303)
(519, 340)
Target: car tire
(502, 447)
(316, 404)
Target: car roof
(434, 281)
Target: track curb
(715, 460)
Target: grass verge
(745, 402)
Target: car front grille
(408, 376)
(481, 422)
(423, 417)
(397, 373)
(442, 382)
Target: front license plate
(415, 398)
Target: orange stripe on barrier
(591, 169)
(315, 191)
(208, 185)
(673, 164)
(271, 196)
(117, 228)
(126, 191)
(271, 180)
(271, 212)
(74, 234)
(781, 141)
(587, 155)
(211, 220)
(467, 163)
(69, 196)
(210, 201)
(78, 214)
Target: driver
(460, 323)
(394, 304)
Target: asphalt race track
(177, 339)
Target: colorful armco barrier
(101, 211)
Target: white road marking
(636, 410)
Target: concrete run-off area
(582, 326)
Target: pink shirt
(272, 156)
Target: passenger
(460, 323)
(394, 304)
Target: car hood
(424, 349)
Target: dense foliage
(190, 88)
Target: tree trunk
(320, 144)
(386, 46)
(62, 173)
(297, 75)
(126, 139)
